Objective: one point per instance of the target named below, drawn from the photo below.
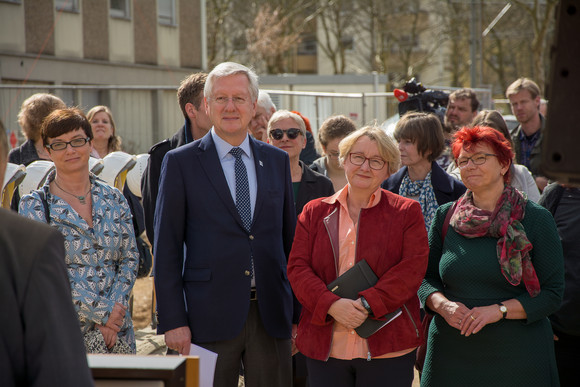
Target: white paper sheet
(207, 361)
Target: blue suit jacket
(446, 187)
(196, 218)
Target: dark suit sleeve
(289, 228)
(150, 186)
(170, 226)
(55, 353)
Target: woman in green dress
(494, 276)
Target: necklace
(81, 199)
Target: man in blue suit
(224, 225)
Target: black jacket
(152, 173)
(564, 204)
(312, 186)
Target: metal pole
(473, 44)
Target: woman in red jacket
(361, 221)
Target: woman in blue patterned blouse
(101, 253)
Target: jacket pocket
(196, 274)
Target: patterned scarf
(423, 189)
(504, 223)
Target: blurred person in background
(332, 131)
(105, 139)
(421, 141)
(287, 131)
(101, 252)
(264, 110)
(525, 101)
(32, 112)
(197, 124)
(309, 153)
(564, 203)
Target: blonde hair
(34, 110)
(386, 146)
(114, 143)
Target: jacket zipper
(355, 255)
(412, 321)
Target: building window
(308, 45)
(166, 12)
(67, 5)
(347, 42)
(120, 9)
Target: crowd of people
(464, 246)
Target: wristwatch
(503, 310)
(366, 305)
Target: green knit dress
(508, 353)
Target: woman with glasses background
(287, 131)
(493, 279)
(332, 131)
(421, 141)
(101, 255)
(360, 221)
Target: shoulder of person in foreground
(50, 353)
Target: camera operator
(461, 109)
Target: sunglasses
(278, 134)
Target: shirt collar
(223, 147)
(342, 195)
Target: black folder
(356, 279)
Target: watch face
(503, 309)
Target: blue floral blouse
(102, 261)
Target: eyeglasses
(238, 101)
(61, 145)
(359, 159)
(477, 159)
(278, 134)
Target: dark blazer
(150, 178)
(445, 187)
(312, 186)
(196, 217)
(40, 336)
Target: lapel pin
(261, 164)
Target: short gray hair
(283, 114)
(226, 69)
(265, 101)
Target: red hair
(468, 138)
(306, 121)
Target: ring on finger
(473, 318)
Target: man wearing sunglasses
(228, 199)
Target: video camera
(414, 97)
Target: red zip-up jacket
(391, 237)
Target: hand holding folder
(358, 278)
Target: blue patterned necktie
(242, 189)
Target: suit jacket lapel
(209, 161)
(259, 160)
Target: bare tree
(272, 35)
(541, 14)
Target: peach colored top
(346, 343)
